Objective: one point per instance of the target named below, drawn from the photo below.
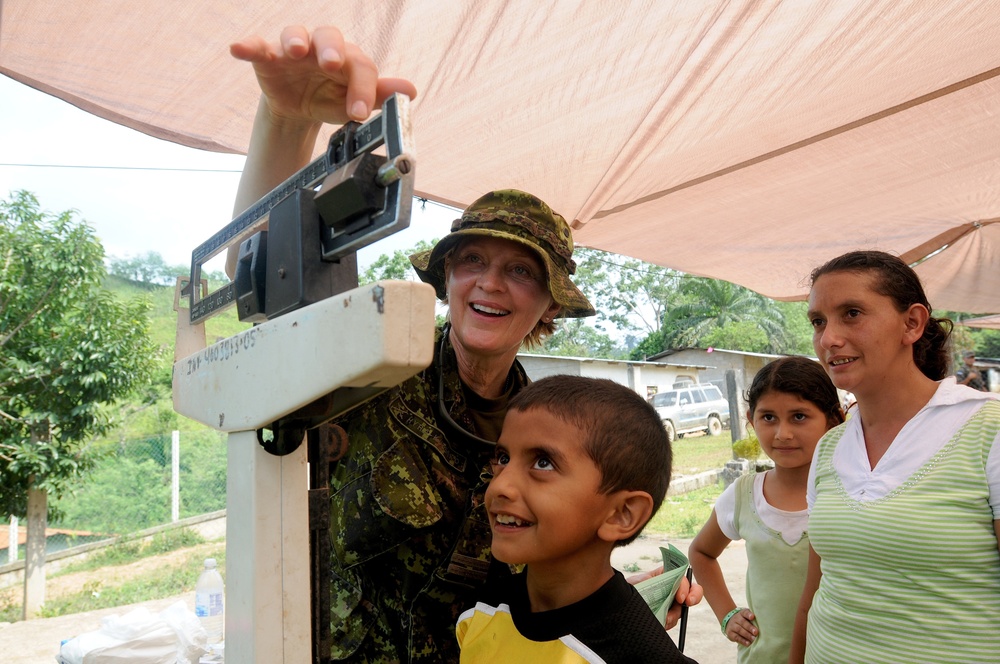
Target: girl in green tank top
(792, 403)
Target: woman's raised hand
(316, 77)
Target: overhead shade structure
(945, 274)
(988, 322)
(748, 141)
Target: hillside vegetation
(130, 487)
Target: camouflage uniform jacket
(976, 383)
(409, 529)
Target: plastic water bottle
(208, 598)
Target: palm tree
(711, 304)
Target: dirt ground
(37, 641)
(94, 580)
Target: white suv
(692, 408)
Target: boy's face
(543, 502)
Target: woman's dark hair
(897, 281)
(805, 378)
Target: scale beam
(374, 336)
(316, 350)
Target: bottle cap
(209, 563)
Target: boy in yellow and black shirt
(581, 466)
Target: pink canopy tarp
(988, 322)
(748, 141)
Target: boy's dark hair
(805, 378)
(623, 434)
(897, 281)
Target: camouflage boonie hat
(514, 215)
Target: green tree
(710, 306)
(575, 338)
(115, 501)
(987, 342)
(649, 346)
(797, 327)
(631, 298)
(150, 270)
(631, 295)
(739, 335)
(395, 266)
(68, 352)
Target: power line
(674, 273)
(125, 168)
(425, 201)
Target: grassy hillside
(150, 413)
(163, 318)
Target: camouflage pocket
(376, 512)
(470, 559)
(403, 487)
(351, 617)
(359, 528)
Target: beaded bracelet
(725, 621)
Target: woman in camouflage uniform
(409, 533)
(411, 536)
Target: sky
(139, 193)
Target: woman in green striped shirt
(904, 498)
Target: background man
(968, 375)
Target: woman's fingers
(296, 42)
(388, 86)
(362, 79)
(252, 49)
(317, 76)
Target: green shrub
(169, 540)
(747, 448)
(130, 549)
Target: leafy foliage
(798, 328)
(129, 490)
(747, 448)
(122, 495)
(575, 338)
(150, 270)
(649, 346)
(723, 309)
(986, 343)
(396, 266)
(630, 294)
(657, 308)
(68, 349)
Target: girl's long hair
(805, 378)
